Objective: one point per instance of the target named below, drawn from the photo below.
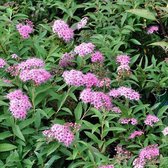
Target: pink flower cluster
(19, 104)
(165, 131)
(14, 56)
(82, 23)
(32, 69)
(97, 57)
(135, 134)
(61, 133)
(123, 61)
(107, 166)
(105, 82)
(77, 78)
(151, 119)
(126, 92)
(31, 63)
(38, 76)
(13, 70)
(98, 99)
(25, 29)
(116, 109)
(66, 60)
(63, 30)
(132, 121)
(84, 49)
(152, 29)
(2, 63)
(148, 153)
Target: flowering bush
(83, 84)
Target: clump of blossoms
(31, 69)
(38, 76)
(14, 56)
(123, 68)
(19, 104)
(165, 131)
(2, 63)
(77, 78)
(63, 30)
(31, 63)
(132, 121)
(151, 120)
(106, 166)
(122, 154)
(146, 154)
(104, 82)
(82, 23)
(136, 134)
(99, 100)
(126, 92)
(25, 29)
(84, 49)
(152, 29)
(66, 60)
(61, 133)
(97, 57)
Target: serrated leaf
(7, 147)
(142, 13)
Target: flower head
(63, 30)
(61, 133)
(82, 23)
(25, 29)
(135, 134)
(97, 57)
(19, 104)
(165, 131)
(123, 59)
(66, 59)
(151, 119)
(2, 63)
(152, 29)
(84, 49)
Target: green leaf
(7, 147)
(5, 134)
(78, 111)
(18, 132)
(162, 44)
(142, 13)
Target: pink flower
(104, 82)
(106, 166)
(165, 131)
(98, 99)
(73, 77)
(86, 95)
(38, 76)
(63, 30)
(13, 70)
(135, 134)
(151, 119)
(25, 29)
(90, 80)
(2, 63)
(19, 104)
(14, 56)
(31, 63)
(97, 57)
(123, 59)
(148, 153)
(61, 133)
(132, 121)
(77, 78)
(66, 59)
(152, 29)
(126, 92)
(84, 49)
(116, 109)
(82, 23)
